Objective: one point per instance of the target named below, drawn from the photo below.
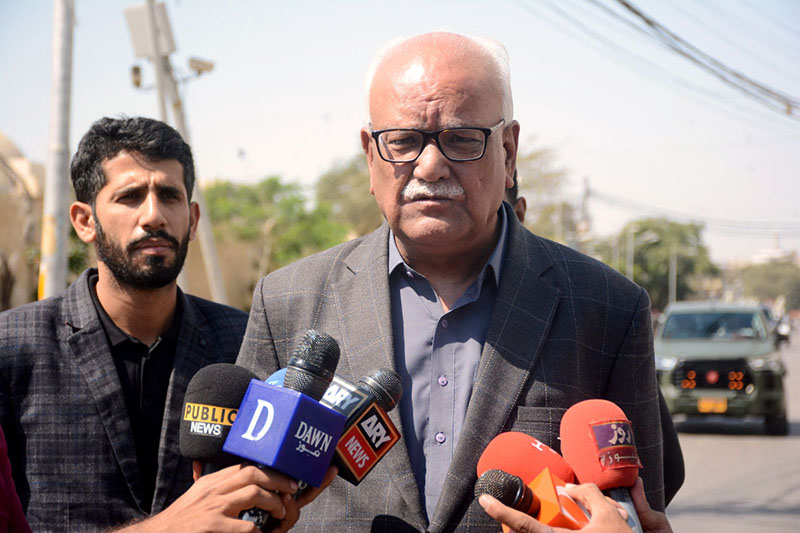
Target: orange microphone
(532, 482)
(597, 441)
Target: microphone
(369, 432)
(210, 405)
(531, 460)
(286, 428)
(597, 440)
(524, 456)
(509, 490)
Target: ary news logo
(310, 439)
(615, 445)
(208, 419)
(343, 396)
(367, 441)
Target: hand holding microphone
(215, 500)
(597, 441)
(521, 469)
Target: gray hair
(487, 47)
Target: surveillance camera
(136, 76)
(200, 65)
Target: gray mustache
(420, 189)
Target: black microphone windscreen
(506, 488)
(384, 386)
(209, 408)
(311, 367)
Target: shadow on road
(728, 426)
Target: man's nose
(431, 165)
(152, 212)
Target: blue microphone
(286, 428)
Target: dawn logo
(262, 404)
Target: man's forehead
(128, 167)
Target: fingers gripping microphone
(509, 490)
(597, 440)
(540, 468)
(210, 405)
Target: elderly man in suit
(92, 380)
(490, 327)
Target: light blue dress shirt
(437, 355)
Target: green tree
(274, 215)
(345, 189)
(768, 281)
(542, 181)
(655, 241)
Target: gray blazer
(63, 411)
(565, 328)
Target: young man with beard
(92, 380)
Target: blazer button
(440, 438)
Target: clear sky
(654, 134)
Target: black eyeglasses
(456, 144)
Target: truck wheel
(776, 425)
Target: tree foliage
(273, 213)
(345, 189)
(542, 181)
(768, 281)
(655, 240)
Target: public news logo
(208, 419)
(366, 441)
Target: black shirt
(144, 373)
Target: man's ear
(366, 145)
(510, 145)
(194, 218)
(80, 214)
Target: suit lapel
(91, 357)
(520, 323)
(367, 344)
(192, 353)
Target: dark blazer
(565, 328)
(64, 415)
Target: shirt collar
(115, 334)
(495, 260)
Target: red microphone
(524, 456)
(597, 440)
(539, 468)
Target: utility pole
(53, 260)
(673, 272)
(629, 255)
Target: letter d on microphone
(262, 404)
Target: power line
(718, 224)
(638, 64)
(772, 98)
(732, 42)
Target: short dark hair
(109, 136)
(511, 192)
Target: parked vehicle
(714, 358)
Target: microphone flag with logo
(369, 432)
